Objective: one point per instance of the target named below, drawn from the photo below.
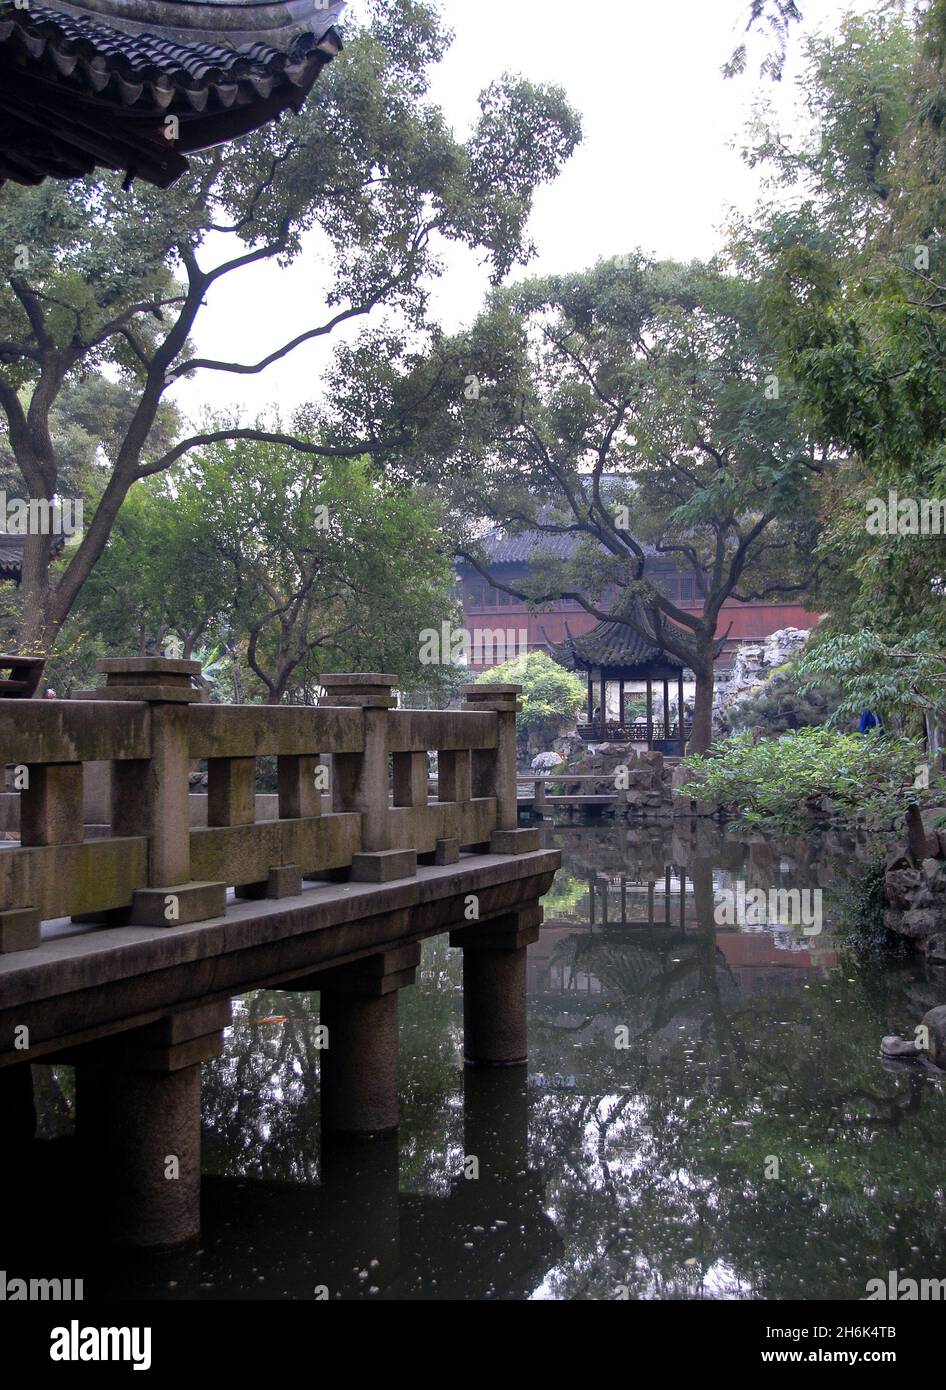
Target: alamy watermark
(75, 1343)
(897, 1290)
(37, 516)
(456, 646)
(14, 1290)
(740, 906)
(905, 516)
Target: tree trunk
(701, 734)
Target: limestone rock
(920, 922)
(897, 858)
(933, 871)
(544, 762)
(753, 664)
(900, 886)
(935, 1022)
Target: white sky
(655, 169)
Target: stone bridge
(123, 941)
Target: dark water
(746, 1142)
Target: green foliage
(862, 910)
(778, 781)
(777, 16)
(296, 566)
(901, 680)
(110, 282)
(633, 407)
(551, 696)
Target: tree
(777, 16)
(904, 681)
(299, 565)
(103, 279)
(634, 409)
(856, 287)
(551, 695)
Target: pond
(705, 1113)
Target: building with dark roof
(510, 559)
(11, 554)
(136, 85)
(612, 654)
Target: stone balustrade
(147, 726)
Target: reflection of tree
(658, 1172)
(653, 1165)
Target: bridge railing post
(360, 780)
(153, 799)
(502, 778)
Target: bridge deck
(84, 984)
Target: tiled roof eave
(76, 93)
(615, 647)
(149, 72)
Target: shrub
(551, 696)
(781, 781)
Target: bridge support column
(138, 1126)
(495, 1013)
(358, 1006)
(17, 1110)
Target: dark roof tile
(91, 82)
(614, 644)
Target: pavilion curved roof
(613, 645)
(89, 83)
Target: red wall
(748, 622)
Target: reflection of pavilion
(644, 910)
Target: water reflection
(704, 1113)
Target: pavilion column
(666, 708)
(621, 710)
(680, 713)
(604, 702)
(591, 698)
(650, 712)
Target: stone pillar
(152, 798)
(360, 1214)
(410, 779)
(358, 1006)
(496, 1123)
(138, 1126)
(51, 805)
(17, 1109)
(501, 777)
(360, 780)
(495, 999)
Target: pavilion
(136, 85)
(613, 653)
